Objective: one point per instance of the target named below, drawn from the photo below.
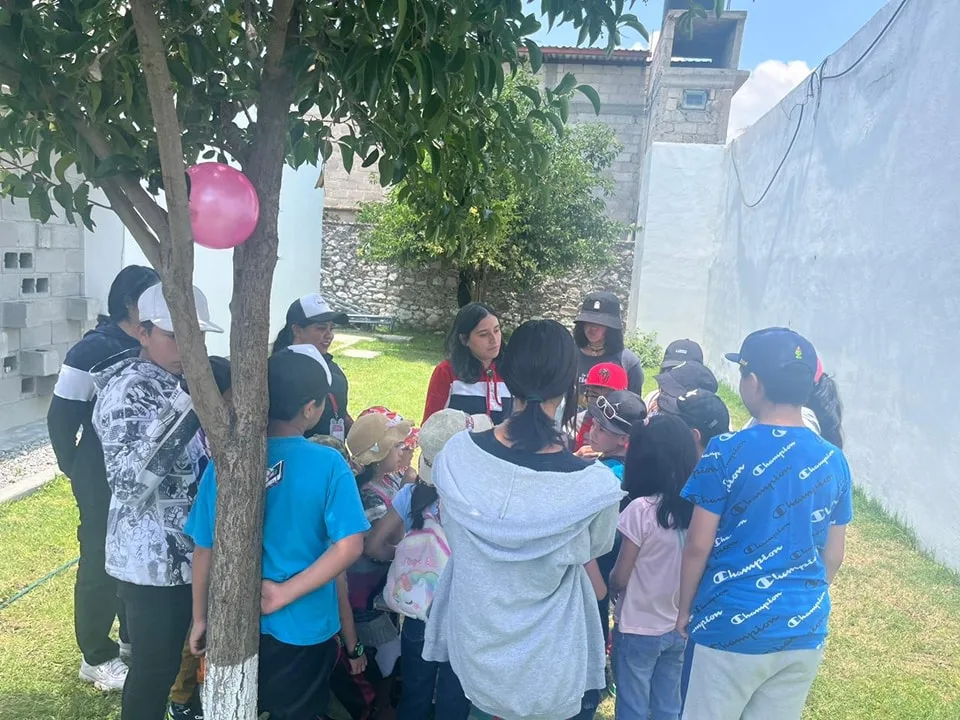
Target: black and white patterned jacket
(151, 447)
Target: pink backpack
(415, 571)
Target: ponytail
(531, 430)
(284, 338)
(103, 320)
(423, 496)
(826, 405)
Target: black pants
(294, 680)
(158, 619)
(95, 601)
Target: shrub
(645, 347)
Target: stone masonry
(427, 298)
(42, 311)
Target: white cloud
(642, 45)
(768, 84)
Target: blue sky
(783, 40)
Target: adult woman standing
(514, 612)
(469, 379)
(311, 321)
(598, 331)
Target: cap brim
(733, 357)
(425, 472)
(604, 319)
(337, 318)
(207, 326)
(602, 421)
(667, 364)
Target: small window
(28, 286)
(695, 99)
(43, 285)
(26, 261)
(9, 364)
(28, 386)
(10, 261)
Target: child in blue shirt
(772, 503)
(313, 530)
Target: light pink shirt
(649, 605)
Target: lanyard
(493, 395)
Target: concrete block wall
(42, 311)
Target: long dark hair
(125, 291)
(612, 342)
(465, 366)
(826, 405)
(540, 364)
(660, 458)
(284, 338)
(422, 497)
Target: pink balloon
(224, 206)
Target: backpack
(415, 571)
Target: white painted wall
(110, 247)
(855, 245)
(677, 239)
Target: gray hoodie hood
(514, 605)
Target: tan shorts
(735, 686)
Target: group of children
(470, 583)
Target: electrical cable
(37, 583)
(818, 76)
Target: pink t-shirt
(649, 605)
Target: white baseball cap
(313, 308)
(153, 308)
(439, 428)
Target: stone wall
(427, 298)
(42, 312)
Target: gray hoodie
(515, 613)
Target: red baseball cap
(607, 375)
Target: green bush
(646, 347)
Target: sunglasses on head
(610, 412)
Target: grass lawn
(893, 653)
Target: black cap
(777, 355)
(618, 412)
(313, 308)
(691, 375)
(295, 376)
(704, 411)
(601, 308)
(221, 372)
(681, 351)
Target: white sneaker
(107, 677)
(126, 650)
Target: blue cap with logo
(776, 354)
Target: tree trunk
(464, 288)
(238, 433)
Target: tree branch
(233, 139)
(177, 254)
(131, 219)
(147, 207)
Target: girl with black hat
(598, 331)
(311, 321)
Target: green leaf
(567, 84)
(532, 93)
(548, 118)
(387, 167)
(63, 164)
(535, 54)
(96, 96)
(347, 153)
(371, 158)
(592, 95)
(564, 108)
(433, 106)
(63, 194)
(40, 207)
(633, 22)
(196, 54)
(401, 13)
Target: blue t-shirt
(312, 501)
(777, 491)
(615, 464)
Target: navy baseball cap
(777, 355)
(690, 375)
(681, 351)
(704, 411)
